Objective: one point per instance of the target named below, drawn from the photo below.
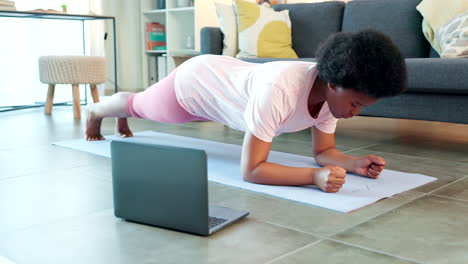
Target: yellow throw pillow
(263, 32)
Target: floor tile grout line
(377, 215)
(23, 175)
(450, 198)
(35, 174)
(457, 162)
(294, 251)
(353, 149)
(374, 250)
(446, 185)
(293, 229)
(347, 228)
(406, 155)
(428, 158)
(419, 197)
(53, 221)
(325, 237)
(329, 237)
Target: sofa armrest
(211, 41)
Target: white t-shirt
(267, 99)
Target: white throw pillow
(228, 24)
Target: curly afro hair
(366, 61)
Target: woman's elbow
(253, 173)
(248, 175)
(319, 157)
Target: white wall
(24, 40)
(206, 13)
(128, 42)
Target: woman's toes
(125, 134)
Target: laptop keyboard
(214, 221)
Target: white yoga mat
(224, 167)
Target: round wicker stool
(72, 70)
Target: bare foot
(122, 128)
(93, 125)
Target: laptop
(167, 187)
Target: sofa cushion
(433, 53)
(312, 23)
(435, 75)
(399, 19)
(211, 40)
(263, 60)
(422, 106)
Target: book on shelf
(162, 67)
(152, 70)
(155, 36)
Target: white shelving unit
(180, 25)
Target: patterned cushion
(453, 38)
(445, 21)
(263, 32)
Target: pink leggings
(159, 103)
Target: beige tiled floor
(430, 229)
(56, 203)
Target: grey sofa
(437, 87)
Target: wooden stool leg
(94, 93)
(76, 101)
(50, 99)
